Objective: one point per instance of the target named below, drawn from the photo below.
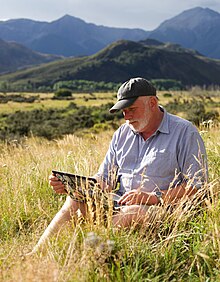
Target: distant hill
(197, 28)
(122, 60)
(67, 36)
(14, 56)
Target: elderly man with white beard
(159, 157)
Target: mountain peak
(201, 10)
(191, 18)
(196, 28)
(69, 19)
(67, 16)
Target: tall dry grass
(181, 244)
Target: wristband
(159, 195)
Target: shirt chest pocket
(158, 164)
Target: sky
(144, 14)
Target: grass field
(46, 102)
(180, 246)
(97, 99)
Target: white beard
(140, 126)
(141, 123)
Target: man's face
(138, 115)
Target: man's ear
(153, 102)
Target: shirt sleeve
(192, 158)
(108, 168)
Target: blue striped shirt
(173, 154)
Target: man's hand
(135, 197)
(57, 185)
(103, 185)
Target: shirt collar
(164, 125)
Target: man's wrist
(159, 196)
(151, 198)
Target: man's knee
(131, 215)
(73, 206)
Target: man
(158, 157)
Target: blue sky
(145, 14)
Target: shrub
(53, 123)
(194, 110)
(5, 98)
(62, 93)
(167, 95)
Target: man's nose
(127, 114)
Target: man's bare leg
(131, 215)
(128, 216)
(63, 216)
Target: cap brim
(122, 104)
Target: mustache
(131, 120)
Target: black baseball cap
(130, 90)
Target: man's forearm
(172, 195)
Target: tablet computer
(84, 186)
(74, 182)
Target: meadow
(179, 245)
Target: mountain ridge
(197, 28)
(73, 36)
(188, 18)
(124, 59)
(14, 56)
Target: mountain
(124, 59)
(67, 36)
(14, 56)
(197, 28)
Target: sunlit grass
(183, 245)
(97, 99)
